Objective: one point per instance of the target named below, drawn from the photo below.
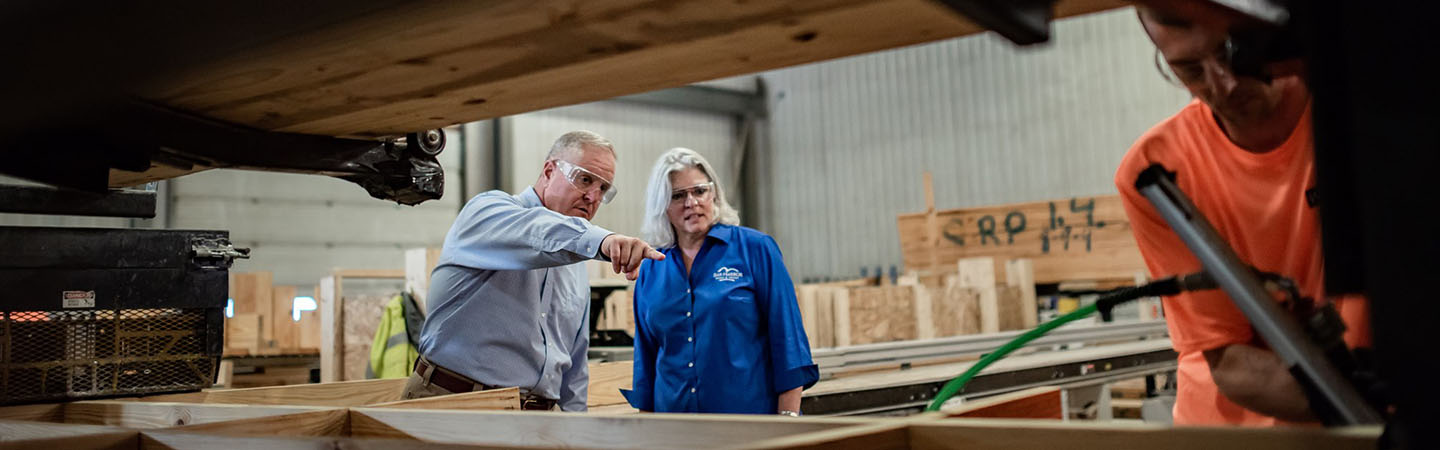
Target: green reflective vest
(396, 346)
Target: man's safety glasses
(701, 192)
(585, 180)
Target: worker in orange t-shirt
(1242, 152)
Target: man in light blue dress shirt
(509, 299)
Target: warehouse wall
(995, 124)
(640, 133)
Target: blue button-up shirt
(727, 338)
(509, 304)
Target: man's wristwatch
(789, 413)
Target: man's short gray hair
(573, 144)
(657, 228)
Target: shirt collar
(722, 232)
(530, 198)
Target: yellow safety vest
(393, 353)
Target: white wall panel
(993, 123)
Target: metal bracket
(1023, 22)
(215, 254)
(157, 143)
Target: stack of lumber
(263, 321)
(968, 301)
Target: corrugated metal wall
(640, 134)
(995, 124)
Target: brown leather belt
(458, 383)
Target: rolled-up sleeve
(790, 359)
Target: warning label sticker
(77, 299)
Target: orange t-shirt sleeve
(1197, 321)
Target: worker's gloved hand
(626, 253)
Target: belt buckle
(525, 404)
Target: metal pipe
(1237, 279)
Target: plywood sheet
(1082, 238)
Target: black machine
(92, 313)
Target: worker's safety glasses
(701, 192)
(586, 181)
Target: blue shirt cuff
(588, 244)
(803, 376)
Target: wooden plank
(43, 412)
(33, 435)
(841, 308)
(164, 415)
(493, 399)
(805, 297)
(1020, 274)
(998, 434)
(226, 375)
(606, 381)
(824, 317)
(979, 274)
(924, 311)
(555, 429)
(308, 331)
(371, 73)
(253, 292)
(889, 435)
(1010, 308)
(338, 394)
(242, 332)
(1083, 238)
(419, 263)
(1045, 402)
(330, 344)
(328, 422)
(286, 329)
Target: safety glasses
(585, 180)
(701, 192)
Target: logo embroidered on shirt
(728, 274)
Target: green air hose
(955, 385)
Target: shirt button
(542, 315)
(690, 339)
(687, 291)
(691, 365)
(692, 390)
(687, 313)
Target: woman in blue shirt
(717, 327)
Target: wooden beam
(331, 344)
(841, 305)
(372, 74)
(979, 274)
(554, 429)
(242, 333)
(286, 331)
(43, 412)
(494, 399)
(1020, 274)
(1044, 402)
(338, 394)
(606, 381)
(164, 415)
(327, 422)
(890, 435)
(998, 434)
(30, 436)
